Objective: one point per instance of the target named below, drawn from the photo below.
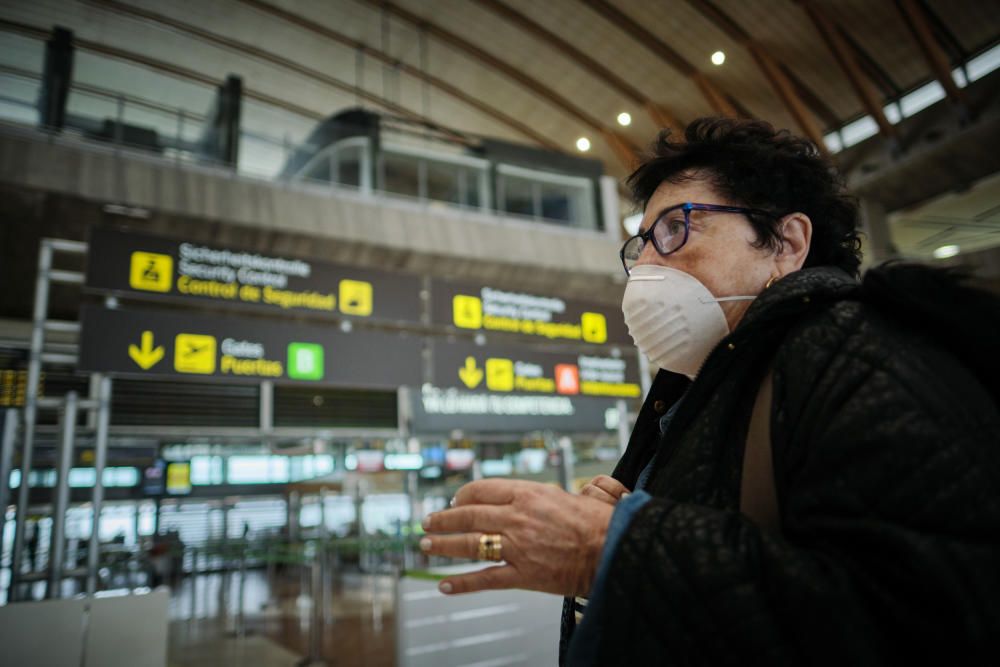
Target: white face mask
(673, 318)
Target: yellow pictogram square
(194, 353)
(467, 311)
(355, 297)
(499, 374)
(594, 327)
(151, 271)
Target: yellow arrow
(469, 374)
(147, 356)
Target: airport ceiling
(544, 73)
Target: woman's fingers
(598, 493)
(610, 485)
(468, 519)
(454, 546)
(491, 578)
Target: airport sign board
(440, 410)
(487, 309)
(182, 345)
(509, 369)
(153, 267)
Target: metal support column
(566, 472)
(100, 460)
(6, 462)
(874, 222)
(41, 309)
(57, 546)
(266, 416)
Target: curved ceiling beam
(923, 32)
(771, 68)
(245, 49)
(717, 99)
(846, 58)
(511, 72)
(659, 114)
(415, 72)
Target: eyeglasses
(669, 232)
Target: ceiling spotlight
(718, 58)
(624, 119)
(583, 144)
(946, 251)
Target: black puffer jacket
(886, 447)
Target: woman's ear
(796, 235)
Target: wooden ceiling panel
(739, 77)
(785, 31)
(618, 52)
(973, 23)
(879, 29)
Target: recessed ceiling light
(946, 251)
(718, 58)
(583, 144)
(624, 119)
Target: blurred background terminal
(278, 276)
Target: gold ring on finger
(490, 547)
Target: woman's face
(719, 251)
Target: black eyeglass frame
(649, 237)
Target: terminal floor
(358, 627)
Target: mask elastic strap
(728, 298)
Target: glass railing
(126, 106)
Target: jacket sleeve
(887, 462)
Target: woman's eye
(675, 226)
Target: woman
(870, 534)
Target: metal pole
(266, 406)
(565, 462)
(6, 462)
(623, 425)
(100, 459)
(57, 548)
(40, 312)
(240, 619)
(315, 616)
(194, 584)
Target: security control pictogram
(194, 353)
(151, 272)
(467, 311)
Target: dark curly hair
(753, 165)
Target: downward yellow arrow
(147, 356)
(469, 374)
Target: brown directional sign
(153, 267)
(177, 344)
(522, 370)
(484, 308)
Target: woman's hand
(606, 489)
(551, 539)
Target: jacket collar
(798, 292)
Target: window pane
(348, 163)
(567, 203)
(400, 175)
(518, 195)
(442, 182)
